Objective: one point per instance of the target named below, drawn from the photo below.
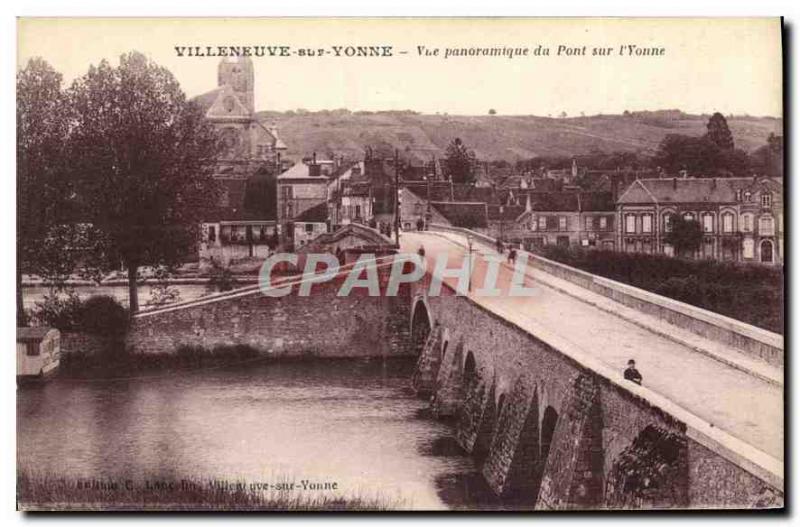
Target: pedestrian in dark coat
(632, 374)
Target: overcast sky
(727, 65)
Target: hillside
(499, 137)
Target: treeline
(713, 154)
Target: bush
(58, 311)
(103, 315)
(99, 315)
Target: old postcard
(360, 264)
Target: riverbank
(52, 492)
(123, 364)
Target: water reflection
(350, 421)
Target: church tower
(237, 73)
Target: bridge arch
(421, 325)
(548, 429)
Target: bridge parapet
(752, 341)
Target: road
(745, 406)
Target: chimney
(674, 183)
(714, 183)
(314, 158)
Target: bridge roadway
(744, 405)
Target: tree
(700, 156)
(492, 111)
(459, 162)
(768, 159)
(44, 234)
(719, 133)
(685, 236)
(143, 157)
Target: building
(309, 224)
(303, 187)
(579, 219)
(741, 218)
(244, 224)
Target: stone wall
(77, 342)
(601, 426)
(320, 325)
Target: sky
(728, 65)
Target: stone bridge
(535, 388)
(534, 384)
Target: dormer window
(748, 197)
(766, 200)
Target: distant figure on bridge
(420, 224)
(421, 251)
(512, 256)
(632, 374)
(499, 246)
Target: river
(353, 422)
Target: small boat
(38, 353)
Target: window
(562, 223)
(647, 223)
(542, 223)
(748, 196)
(31, 348)
(630, 223)
(212, 233)
(603, 222)
(589, 223)
(667, 222)
(766, 226)
(766, 200)
(727, 223)
(534, 224)
(708, 223)
(309, 228)
(747, 222)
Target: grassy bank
(38, 491)
(747, 292)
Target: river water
(353, 422)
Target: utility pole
(396, 199)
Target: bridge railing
(750, 340)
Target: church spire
(238, 74)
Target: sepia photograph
(400, 264)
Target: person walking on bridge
(512, 256)
(421, 251)
(632, 374)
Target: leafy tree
(719, 133)
(700, 156)
(459, 162)
(44, 235)
(768, 159)
(685, 236)
(492, 111)
(143, 157)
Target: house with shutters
(741, 218)
(567, 218)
